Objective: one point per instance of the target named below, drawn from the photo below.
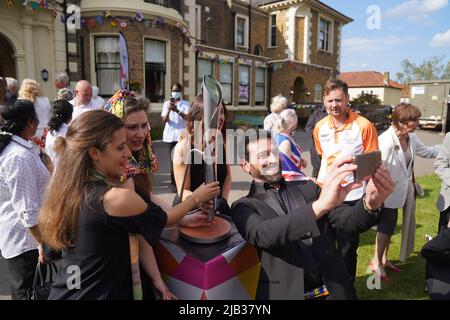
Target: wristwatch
(376, 211)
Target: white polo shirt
(79, 109)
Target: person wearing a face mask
(174, 114)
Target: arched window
(258, 50)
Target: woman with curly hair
(31, 90)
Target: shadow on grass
(405, 285)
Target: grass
(409, 283)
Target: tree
(366, 98)
(431, 69)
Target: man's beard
(269, 178)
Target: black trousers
(347, 245)
(22, 269)
(171, 146)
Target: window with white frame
(107, 64)
(241, 36)
(260, 93)
(273, 30)
(317, 92)
(155, 70)
(226, 79)
(244, 84)
(325, 36)
(204, 67)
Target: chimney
(386, 77)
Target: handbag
(43, 280)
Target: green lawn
(409, 283)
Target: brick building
(304, 46)
(257, 49)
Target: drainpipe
(250, 27)
(233, 14)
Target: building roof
(367, 79)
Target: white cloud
(359, 44)
(412, 7)
(417, 11)
(441, 39)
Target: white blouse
(23, 179)
(50, 141)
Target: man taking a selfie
(174, 115)
(290, 224)
(340, 134)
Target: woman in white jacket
(399, 145)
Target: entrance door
(299, 95)
(7, 62)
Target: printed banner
(123, 49)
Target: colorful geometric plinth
(233, 274)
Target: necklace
(99, 176)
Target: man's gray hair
(63, 77)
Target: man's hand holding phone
(333, 192)
(380, 186)
(173, 106)
(367, 164)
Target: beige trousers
(408, 224)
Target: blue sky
(409, 29)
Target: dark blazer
(315, 117)
(437, 253)
(262, 222)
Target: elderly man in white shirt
(174, 115)
(83, 99)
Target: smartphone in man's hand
(367, 165)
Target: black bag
(437, 281)
(43, 280)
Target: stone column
(30, 59)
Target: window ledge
(247, 108)
(325, 51)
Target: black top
(101, 250)
(315, 117)
(437, 250)
(198, 170)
